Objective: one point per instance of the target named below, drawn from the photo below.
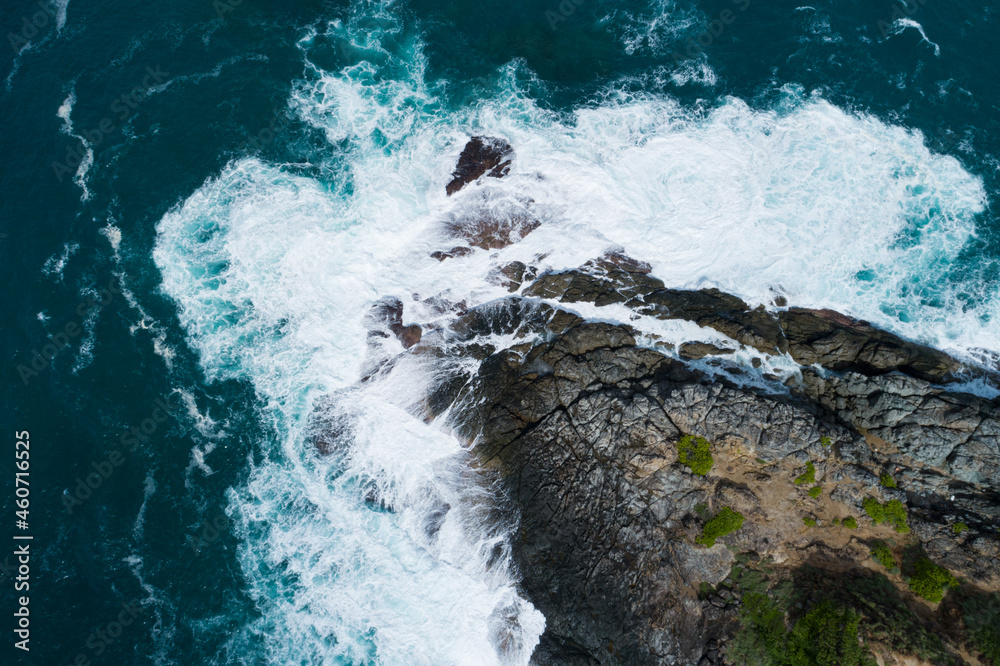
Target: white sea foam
(694, 71)
(61, 6)
(658, 29)
(901, 24)
(55, 265)
(158, 612)
(274, 271)
(65, 112)
(149, 487)
(113, 234)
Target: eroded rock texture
(822, 337)
(583, 429)
(581, 421)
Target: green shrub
(835, 521)
(850, 523)
(895, 514)
(724, 522)
(809, 476)
(874, 510)
(982, 619)
(883, 555)
(887, 480)
(958, 528)
(808, 520)
(815, 491)
(887, 618)
(825, 441)
(892, 512)
(762, 637)
(696, 453)
(930, 580)
(827, 635)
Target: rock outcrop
(386, 318)
(487, 221)
(481, 156)
(821, 337)
(582, 425)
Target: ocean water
(211, 195)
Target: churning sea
(202, 198)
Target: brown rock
(481, 155)
(459, 251)
(385, 317)
(696, 350)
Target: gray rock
(582, 426)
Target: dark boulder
(385, 317)
(839, 342)
(481, 155)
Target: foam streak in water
(65, 113)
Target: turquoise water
(254, 176)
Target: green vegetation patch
(930, 580)
(958, 528)
(883, 555)
(850, 523)
(696, 453)
(810, 521)
(763, 637)
(874, 510)
(892, 512)
(822, 608)
(982, 619)
(725, 522)
(826, 635)
(887, 480)
(815, 491)
(809, 476)
(826, 441)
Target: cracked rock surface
(581, 424)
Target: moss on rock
(696, 453)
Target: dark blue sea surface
(201, 199)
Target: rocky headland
(681, 505)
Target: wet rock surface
(488, 220)
(584, 428)
(822, 337)
(386, 317)
(481, 156)
(580, 422)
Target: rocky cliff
(584, 425)
(680, 507)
